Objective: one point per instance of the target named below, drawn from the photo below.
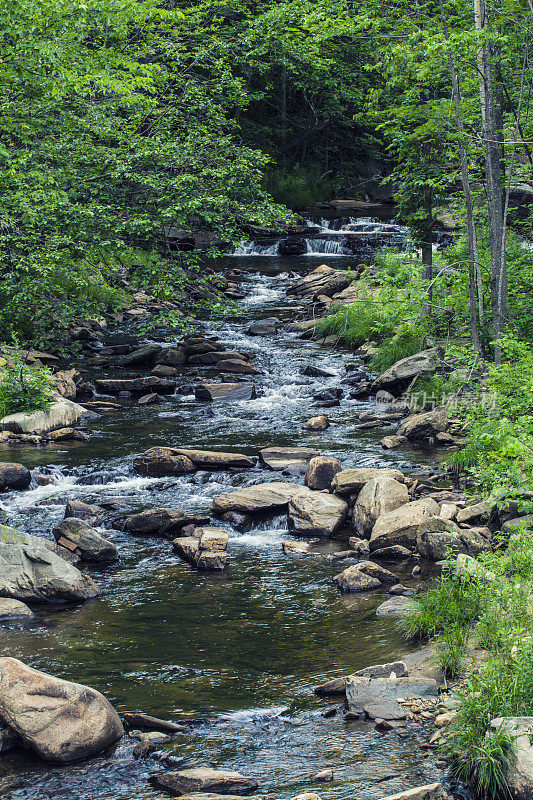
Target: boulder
(190, 549)
(205, 779)
(466, 565)
(352, 579)
(438, 537)
(400, 527)
(432, 791)
(59, 720)
(378, 496)
(211, 538)
(474, 513)
(319, 423)
(13, 476)
(396, 551)
(168, 522)
(225, 391)
(76, 536)
(396, 606)
(148, 383)
(316, 513)
(262, 497)
(390, 442)
(92, 514)
(320, 472)
(351, 481)
(13, 608)
(376, 571)
(424, 427)
(520, 776)
(62, 413)
(65, 383)
(172, 357)
(400, 374)
(265, 327)
(67, 434)
(210, 459)
(143, 355)
(158, 462)
(322, 280)
(238, 366)
(31, 571)
(279, 458)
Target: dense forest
(141, 141)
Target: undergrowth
(24, 387)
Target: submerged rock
(396, 606)
(30, 571)
(205, 779)
(59, 720)
(13, 608)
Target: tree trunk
(473, 261)
(493, 143)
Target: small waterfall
(253, 249)
(332, 247)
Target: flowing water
(238, 652)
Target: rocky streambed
(228, 631)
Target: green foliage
(450, 651)
(24, 387)
(299, 188)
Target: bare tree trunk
(473, 261)
(493, 142)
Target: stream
(238, 652)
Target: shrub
(24, 387)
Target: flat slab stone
(432, 791)
(396, 607)
(136, 385)
(278, 458)
(350, 481)
(210, 459)
(261, 497)
(206, 779)
(362, 691)
(385, 709)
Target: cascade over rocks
(378, 496)
(32, 572)
(59, 720)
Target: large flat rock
(148, 383)
(258, 498)
(205, 779)
(62, 414)
(362, 691)
(351, 481)
(59, 720)
(211, 459)
(278, 458)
